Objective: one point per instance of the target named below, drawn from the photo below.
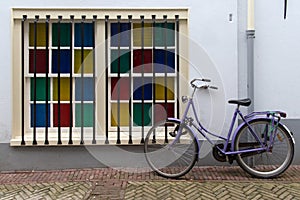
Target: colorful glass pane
(160, 88)
(137, 35)
(160, 111)
(161, 33)
(40, 36)
(64, 89)
(137, 114)
(65, 31)
(40, 115)
(138, 84)
(64, 115)
(124, 114)
(64, 61)
(161, 57)
(124, 88)
(88, 35)
(124, 61)
(88, 110)
(40, 89)
(87, 61)
(40, 61)
(123, 36)
(137, 61)
(88, 85)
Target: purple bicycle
(261, 144)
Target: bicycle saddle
(241, 102)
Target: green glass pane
(137, 114)
(41, 34)
(87, 115)
(40, 89)
(64, 34)
(124, 61)
(160, 32)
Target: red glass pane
(64, 115)
(124, 88)
(160, 111)
(137, 61)
(40, 61)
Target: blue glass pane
(159, 61)
(124, 36)
(40, 115)
(88, 94)
(88, 35)
(137, 88)
(64, 61)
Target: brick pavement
(107, 183)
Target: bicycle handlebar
(203, 86)
(213, 87)
(200, 79)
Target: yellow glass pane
(137, 35)
(41, 34)
(124, 114)
(160, 88)
(64, 89)
(88, 61)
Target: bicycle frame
(226, 150)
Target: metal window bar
(106, 79)
(82, 76)
(177, 62)
(71, 80)
(94, 80)
(34, 142)
(47, 81)
(153, 75)
(23, 79)
(130, 101)
(58, 80)
(165, 74)
(143, 81)
(119, 79)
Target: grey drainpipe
(250, 67)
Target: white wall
(209, 28)
(277, 57)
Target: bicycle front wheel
(269, 163)
(168, 155)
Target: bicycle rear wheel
(168, 157)
(269, 163)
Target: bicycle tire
(170, 161)
(264, 164)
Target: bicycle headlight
(184, 99)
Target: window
(94, 76)
(142, 73)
